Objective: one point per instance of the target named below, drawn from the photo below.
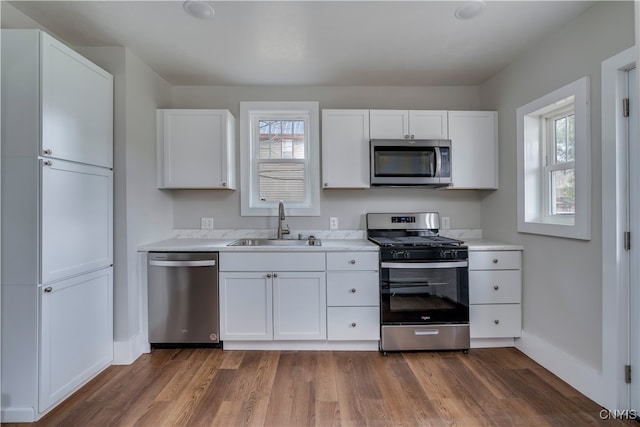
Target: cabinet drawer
(352, 261)
(272, 261)
(494, 260)
(353, 323)
(495, 320)
(494, 287)
(352, 288)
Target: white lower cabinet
(495, 289)
(331, 301)
(76, 334)
(299, 306)
(272, 305)
(353, 297)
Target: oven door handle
(454, 264)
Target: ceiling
(379, 43)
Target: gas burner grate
(416, 241)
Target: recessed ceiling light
(198, 9)
(470, 9)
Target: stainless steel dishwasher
(183, 298)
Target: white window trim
(250, 205)
(530, 142)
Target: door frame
(615, 259)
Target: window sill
(555, 229)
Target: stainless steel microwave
(411, 162)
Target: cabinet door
(195, 149)
(474, 149)
(76, 217)
(77, 106)
(428, 124)
(299, 306)
(389, 124)
(345, 149)
(76, 337)
(245, 307)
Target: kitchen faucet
(281, 217)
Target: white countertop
(490, 245)
(220, 245)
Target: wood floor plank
(212, 387)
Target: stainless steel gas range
(424, 283)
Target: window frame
(532, 148)
(550, 165)
(250, 114)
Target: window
(554, 163)
(280, 158)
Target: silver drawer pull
(353, 325)
(353, 261)
(275, 274)
(353, 290)
(495, 260)
(426, 332)
(268, 275)
(496, 321)
(46, 152)
(48, 289)
(496, 287)
(47, 163)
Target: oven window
(424, 294)
(405, 161)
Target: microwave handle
(438, 161)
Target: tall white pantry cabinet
(57, 223)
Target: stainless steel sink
(276, 242)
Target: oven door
(424, 292)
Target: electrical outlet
(206, 223)
(333, 223)
(444, 223)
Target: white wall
(562, 286)
(463, 207)
(142, 213)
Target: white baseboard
(575, 372)
(126, 352)
(492, 342)
(17, 415)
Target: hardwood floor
(210, 387)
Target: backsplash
(461, 234)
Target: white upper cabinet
(408, 124)
(77, 106)
(196, 149)
(345, 149)
(474, 149)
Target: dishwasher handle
(203, 263)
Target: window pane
(281, 139)
(564, 139)
(281, 181)
(563, 194)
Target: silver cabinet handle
(46, 152)
(413, 137)
(275, 274)
(496, 321)
(495, 260)
(224, 184)
(47, 163)
(353, 290)
(353, 325)
(353, 261)
(326, 184)
(268, 275)
(496, 287)
(204, 263)
(48, 289)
